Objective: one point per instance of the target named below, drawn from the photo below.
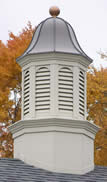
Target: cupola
(53, 132)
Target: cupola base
(58, 145)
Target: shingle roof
(14, 170)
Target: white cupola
(53, 132)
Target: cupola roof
(54, 35)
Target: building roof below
(17, 171)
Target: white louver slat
(81, 93)
(42, 89)
(26, 92)
(65, 89)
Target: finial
(54, 11)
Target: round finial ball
(54, 11)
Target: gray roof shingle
(14, 170)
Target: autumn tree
(103, 55)
(97, 110)
(10, 87)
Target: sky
(87, 17)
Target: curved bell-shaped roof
(54, 35)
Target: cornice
(33, 58)
(54, 125)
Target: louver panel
(81, 93)
(65, 89)
(26, 92)
(42, 87)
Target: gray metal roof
(54, 35)
(14, 170)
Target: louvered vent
(42, 101)
(26, 92)
(81, 93)
(65, 88)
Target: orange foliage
(10, 86)
(97, 110)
